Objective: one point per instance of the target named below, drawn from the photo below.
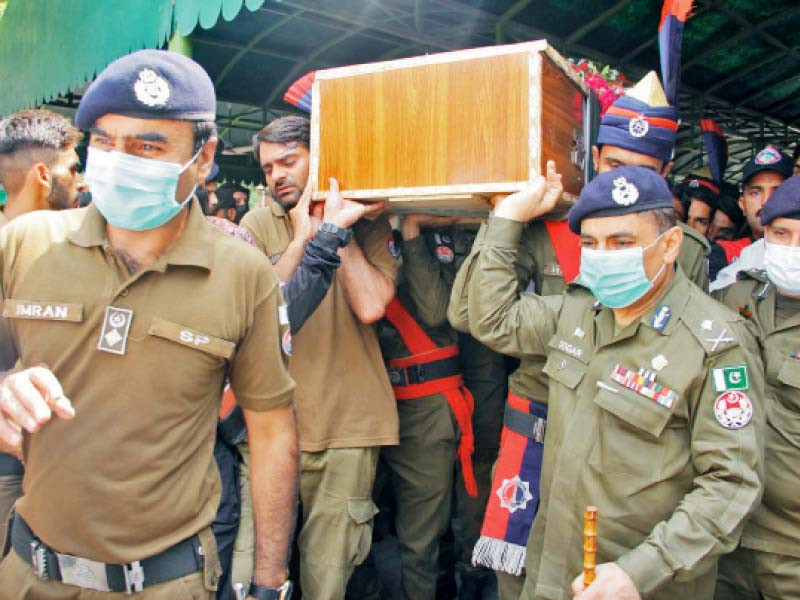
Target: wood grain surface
(562, 104)
(450, 124)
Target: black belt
(531, 426)
(10, 465)
(183, 558)
(437, 369)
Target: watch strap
(262, 592)
(344, 235)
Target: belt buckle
(39, 559)
(134, 577)
(83, 573)
(421, 375)
(539, 426)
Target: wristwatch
(344, 235)
(262, 592)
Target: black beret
(784, 202)
(149, 84)
(619, 192)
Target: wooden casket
(442, 133)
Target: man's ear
(596, 158)
(673, 237)
(205, 159)
(741, 203)
(667, 168)
(41, 176)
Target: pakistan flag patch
(730, 378)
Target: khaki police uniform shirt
(423, 288)
(3, 218)
(343, 395)
(538, 271)
(673, 485)
(775, 525)
(693, 256)
(134, 472)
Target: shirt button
(562, 364)
(123, 293)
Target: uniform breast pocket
(566, 362)
(215, 348)
(631, 432)
(789, 373)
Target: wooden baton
(589, 544)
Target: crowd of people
(201, 399)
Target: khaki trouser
(336, 531)
(244, 548)
(421, 470)
(19, 582)
(747, 574)
(10, 492)
(509, 587)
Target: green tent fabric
(48, 48)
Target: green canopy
(72, 41)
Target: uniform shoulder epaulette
(753, 274)
(714, 325)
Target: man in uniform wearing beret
(766, 566)
(122, 364)
(639, 129)
(635, 424)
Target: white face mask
(783, 267)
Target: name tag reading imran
(46, 311)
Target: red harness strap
(733, 248)
(567, 248)
(423, 350)
(228, 402)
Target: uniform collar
(193, 248)
(3, 219)
(661, 317)
(277, 209)
(665, 313)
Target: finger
(577, 585)
(50, 388)
(375, 209)
(22, 404)
(10, 436)
(334, 189)
(305, 197)
(551, 169)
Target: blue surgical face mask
(132, 192)
(616, 277)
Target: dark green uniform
(673, 483)
(538, 271)
(767, 563)
(693, 257)
(421, 466)
(486, 376)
